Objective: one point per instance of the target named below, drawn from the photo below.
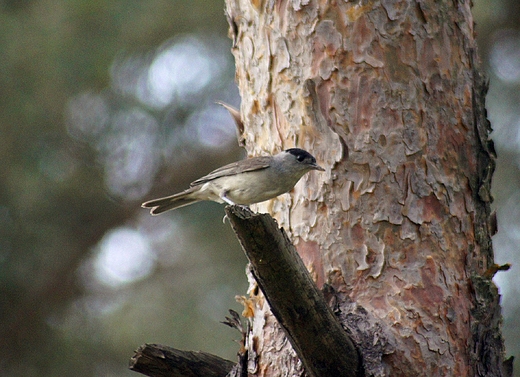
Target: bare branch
(155, 360)
(235, 114)
(321, 343)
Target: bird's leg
(223, 196)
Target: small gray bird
(244, 182)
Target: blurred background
(106, 103)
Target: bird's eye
(300, 158)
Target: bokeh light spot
(181, 69)
(125, 256)
(505, 55)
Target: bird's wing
(256, 163)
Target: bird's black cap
(301, 155)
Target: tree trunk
(390, 99)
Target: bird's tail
(170, 202)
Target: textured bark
(388, 96)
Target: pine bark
(389, 97)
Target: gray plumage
(244, 182)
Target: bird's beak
(317, 167)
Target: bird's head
(298, 161)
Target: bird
(244, 182)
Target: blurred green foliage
(80, 110)
(55, 206)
